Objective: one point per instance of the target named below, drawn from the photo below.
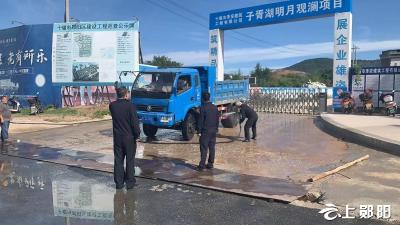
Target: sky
(179, 29)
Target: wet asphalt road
(39, 193)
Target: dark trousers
(124, 149)
(207, 145)
(4, 130)
(250, 123)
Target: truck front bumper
(157, 119)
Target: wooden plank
(330, 172)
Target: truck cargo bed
(230, 91)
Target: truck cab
(169, 98)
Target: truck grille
(153, 108)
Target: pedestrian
(82, 95)
(208, 129)
(5, 118)
(252, 117)
(125, 133)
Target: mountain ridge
(318, 65)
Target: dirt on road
(56, 118)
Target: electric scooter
(35, 104)
(14, 105)
(390, 104)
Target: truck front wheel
(189, 127)
(149, 130)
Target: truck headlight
(165, 119)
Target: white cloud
(243, 55)
(366, 46)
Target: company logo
(331, 212)
(149, 108)
(40, 80)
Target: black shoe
(210, 166)
(246, 140)
(200, 168)
(254, 138)
(119, 187)
(131, 186)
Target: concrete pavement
(379, 132)
(375, 181)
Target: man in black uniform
(125, 131)
(208, 128)
(252, 117)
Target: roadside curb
(356, 136)
(62, 124)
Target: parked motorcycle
(390, 104)
(368, 105)
(14, 105)
(35, 105)
(347, 102)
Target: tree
(323, 76)
(163, 61)
(263, 75)
(237, 75)
(327, 77)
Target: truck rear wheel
(230, 121)
(231, 118)
(189, 127)
(149, 130)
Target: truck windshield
(153, 85)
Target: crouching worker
(252, 117)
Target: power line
(234, 31)
(183, 16)
(175, 13)
(188, 10)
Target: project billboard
(94, 53)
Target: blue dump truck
(170, 98)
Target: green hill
(312, 66)
(316, 70)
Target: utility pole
(355, 48)
(66, 15)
